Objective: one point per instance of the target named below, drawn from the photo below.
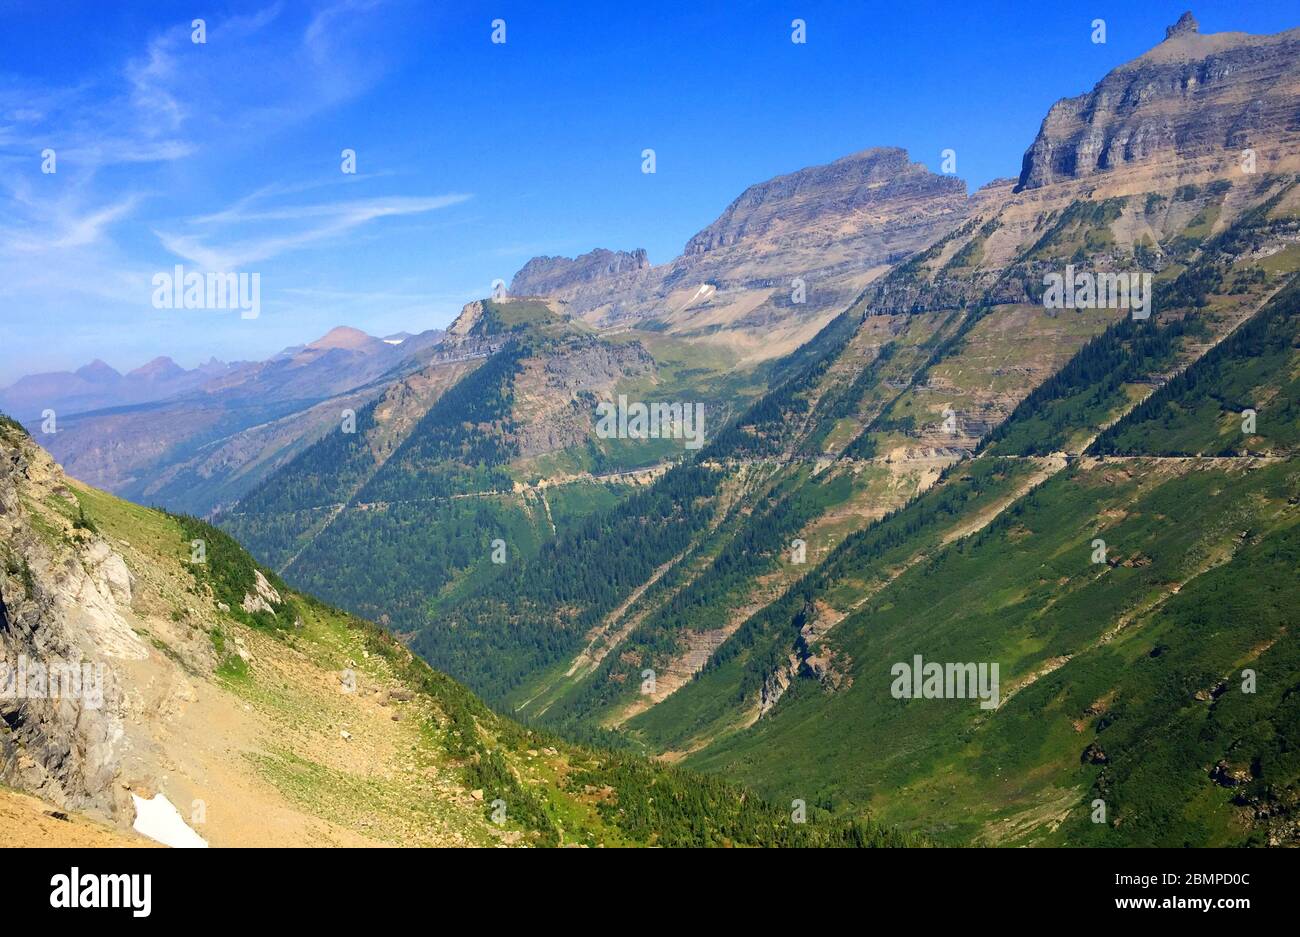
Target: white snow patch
(162, 823)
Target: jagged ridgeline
(268, 717)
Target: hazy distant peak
(160, 368)
(97, 372)
(344, 337)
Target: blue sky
(471, 156)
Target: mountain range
(98, 386)
(783, 258)
(192, 440)
(913, 454)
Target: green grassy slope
(707, 707)
(1025, 593)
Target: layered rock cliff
(1192, 96)
(864, 207)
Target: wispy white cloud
(151, 80)
(82, 229)
(242, 207)
(320, 36)
(332, 220)
(173, 100)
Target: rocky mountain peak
(833, 226)
(160, 368)
(561, 276)
(791, 206)
(98, 372)
(1186, 24)
(343, 337)
(213, 366)
(1193, 97)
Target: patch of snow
(162, 823)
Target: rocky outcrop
(556, 392)
(1186, 24)
(263, 598)
(1094, 754)
(1191, 96)
(562, 276)
(1225, 774)
(592, 365)
(810, 658)
(63, 635)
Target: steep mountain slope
(1084, 649)
(1125, 671)
(782, 259)
(702, 640)
(178, 668)
(1241, 399)
(510, 457)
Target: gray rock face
(1186, 24)
(597, 365)
(556, 276)
(564, 387)
(802, 207)
(264, 599)
(1191, 96)
(112, 569)
(60, 633)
